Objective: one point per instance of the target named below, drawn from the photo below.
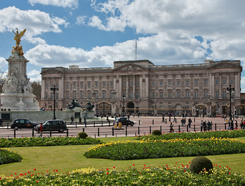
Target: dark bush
(7, 156)
(82, 135)
(200, 163)
(156, 132)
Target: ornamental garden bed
(46, 141)
(165, 148)
(195, 135)
(177, 175)
(7, 156)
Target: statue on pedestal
(73, 105)
(17, 38)
(89, 106)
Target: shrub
(156, 132)
(200, 163)
(82, 135)
(7, 156)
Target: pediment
(51, 71)
(225, 65)
(130, 67)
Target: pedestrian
(189, 121)
(204, 125)
(80, 120)
(1, 122)
(201, 125)
(162, 118)
(84, 118)
(241, 124)
(41, 129)
(236, 125)
(182, 122)
(209, 125)
(171, 127)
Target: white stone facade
(17, 91)
(148, 88)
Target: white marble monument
(17, 91)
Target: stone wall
(38, 116)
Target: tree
(36, 89)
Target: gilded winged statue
(18, 36)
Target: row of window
(178, 82)
(89, 95)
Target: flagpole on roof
(135, 49)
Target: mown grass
(68, 158)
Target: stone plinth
(19, 102)
(88, 114)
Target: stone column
(220, 86)
(127, 87)
(141, 87)
(147, 86)
(237, 85)
(134, 86)
(43, 87)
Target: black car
(124, 121)
(23, 123)
(54, 125)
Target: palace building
(140, 86)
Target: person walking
(84, 120)
(171, 127)
(80, 120)
(189, 121)
(236, 125)
(201, 125)
(241, 124)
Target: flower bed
(7, 156)
(46, 141)
(161, 175)
(165, 148)
(188, 135)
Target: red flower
(189, 162)
(47, 170)
(176, 162)
(56, 170)
(140, 172)
(68, 173)
(107, 169)
(184, 170)
(175, 172)
(133, 164)
(229, 173)
(0, 178)
(37, 181)
(113, 167)
(219, 166)
(229, 168)
(144, 165)
(107, 173)
(34, 169)
(25, 173)
(14, 173)
(166, 165)
(167, 168)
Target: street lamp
(53, 89)
(231, 92)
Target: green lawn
(67, 158)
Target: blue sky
(95, 33)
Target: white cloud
(36, 22)
(80, 20)
(59, 3)
(160, 49)
(3, 62)
(34, 75)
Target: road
(144, 125)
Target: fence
(107, 131)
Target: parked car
(54, 125)
(23, 123)
(124, 121)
